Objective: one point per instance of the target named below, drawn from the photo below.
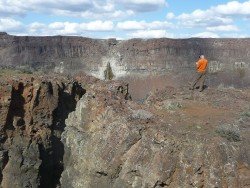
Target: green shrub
(25, 71)
(172, 105)
(246, 114)
(230, 132)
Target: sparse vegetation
(141, 114)
(4, 72)
(26, 71)
(9, 72)
(230, 132)
(246, 113)
(172, 105)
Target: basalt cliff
(62, 127)
(229, 58)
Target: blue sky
(124, 19)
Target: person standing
(201, 67)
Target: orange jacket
(202, 65)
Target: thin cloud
(150, 34)
(233, 8)
(143, 5)
(200, 18)
(206, 35)
(170, 16)
(221, 16)
(143, 25)
(55, 28)
(10, 25)
(226, 28)
(94, 9)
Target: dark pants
(199, 78)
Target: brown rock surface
(32, 118)
(53, 134)
(175, 138)
(172, 141)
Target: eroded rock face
(32, 118)
(111, 142)
(50, 129)
(53, 134)
(228, 58)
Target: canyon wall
(58, 131)
(229, 58)
(32, 118)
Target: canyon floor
(79, 131)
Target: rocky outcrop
(229, 58)
(111, 142)
(32, 118)
(84, 132)
(54, 133)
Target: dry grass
(12, 72)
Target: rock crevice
(33, 113)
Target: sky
(125, 19)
